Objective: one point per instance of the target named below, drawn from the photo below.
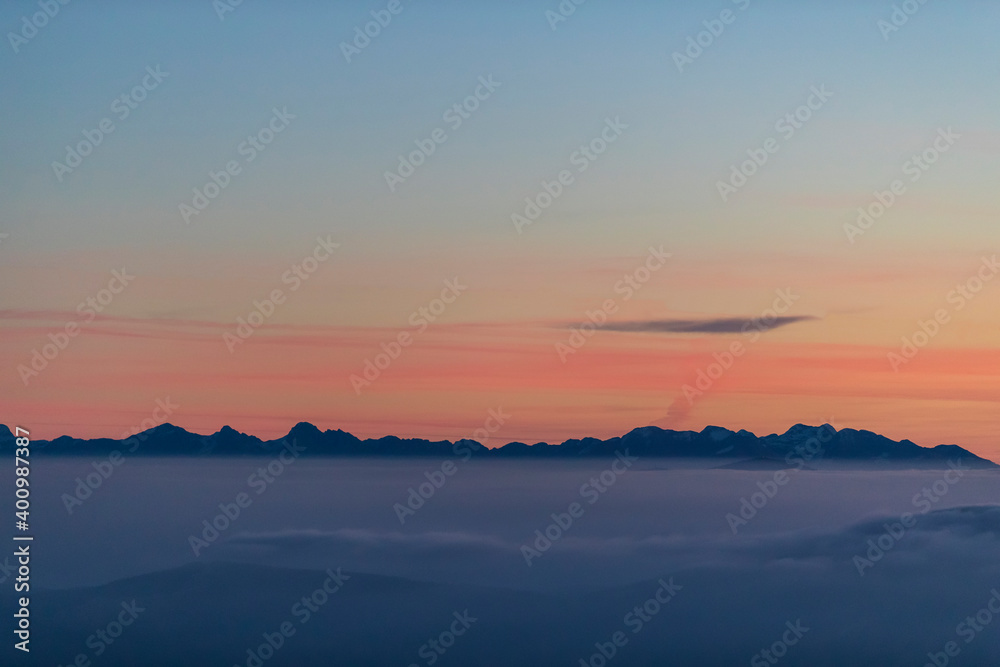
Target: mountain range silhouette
(801, 444)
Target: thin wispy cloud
(719, 325)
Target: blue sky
(657, 184)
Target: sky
(441, 278)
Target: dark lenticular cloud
(719, 325)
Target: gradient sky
(495, 346)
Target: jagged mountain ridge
(800, 441)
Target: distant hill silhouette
(800, 442)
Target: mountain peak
(165, 429)
(717, 432)
(304, 429)
(802, 429)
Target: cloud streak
(718, 325)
